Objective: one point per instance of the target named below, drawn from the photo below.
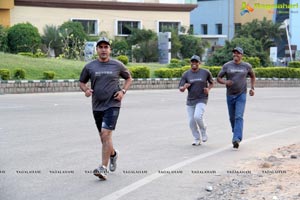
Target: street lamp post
(286, 23)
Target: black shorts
(106, 119)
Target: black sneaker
(235, 144)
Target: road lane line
(148, 179)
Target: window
(204, 29)
(167, 26)
(89, 26)
(219, 29)
(124, 27)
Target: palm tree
(265, 31)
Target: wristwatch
(124, 91)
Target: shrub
(4, 74)
(73, 39)
(214, 70)
(19, 73)
(139, 72)
(174, 60)
(28, 54)
(23, 38)
(123, 59)
(163, 73)
(49, 75)
(175, 63)
(254, 61)
(277, 72)
(294, 64)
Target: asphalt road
(49, 144)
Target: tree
(3, 38)
(23, 37)
(52, 39)
(265, 31)
(192, 45)
(73, 39)
(251, 47)
(145, 42)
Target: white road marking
(118, 194)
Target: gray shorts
(106, 119)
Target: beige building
(112, 17)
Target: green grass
(64, 69)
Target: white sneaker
(204, 137)
(203, 134)
(101, 172)
(196, 143)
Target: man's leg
(193, 125)
(107, 146)
(239, 116)
(231, 110)
(198, 116)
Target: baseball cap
(238, 49)
(195, 57)
(103, 39)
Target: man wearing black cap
(236, 73)
(198, 82)
(104, 74)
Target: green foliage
(139, 72)
(294, 64)
(4, 74)
(192, 46)
(214, 70)
(3, 39)
(19, 73)
(277, 72)
(170, 72)
(38, 54)
(146, 51)
(23, 38)
(254, 61)
(119, 47)
(52, 39)
(264, 31)
(73, 39)
(251, 46)
(49, 75)
(175, 63)
(140, 35)
(163, 73)
(145, 42)
(123, 59)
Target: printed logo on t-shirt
(103, 73)
(195, 80)
(236, 70)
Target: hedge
(260, 72)
(139, 72)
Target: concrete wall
(44, 86)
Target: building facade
(112, 17)
(217, 20)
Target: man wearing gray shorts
(104, 74)
(198, 82)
